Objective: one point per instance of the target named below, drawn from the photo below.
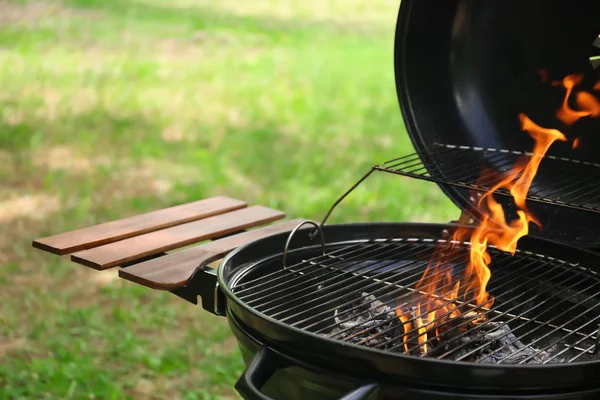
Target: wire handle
(289, 239)
(338, 201)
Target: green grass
(111, 108)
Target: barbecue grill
(464, 71)
(315, 309)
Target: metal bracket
(204, 283)
(466, 217)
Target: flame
(422, 337)
(404, 318)
(442, 287)
(588, 103)
(493, 229)
(576, 143)
(566, 114)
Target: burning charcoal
(377, 307)
(455, 326)
(364, 320)
(497, 343)
(467, 337)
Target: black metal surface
(464, 71)
(203, 283)
(261, 258)
(265, 364)
(306, 379)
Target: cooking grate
(550, 305)
(456, 166)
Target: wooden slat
(173, 270)
(113, 254)
(113, 231)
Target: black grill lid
(464, 71)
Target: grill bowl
(261, 258)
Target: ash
(500, 345)
(371, 322)
(367, 321)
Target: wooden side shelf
(141, 244)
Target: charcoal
(497, 343)
(367, 321)
(370, 322)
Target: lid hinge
(468, 215)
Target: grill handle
(293, 232)
(266, 362)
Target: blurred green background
(110, 108)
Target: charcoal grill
(313, 309)
(288, 317)
(464, 70)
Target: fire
(588, 105)
(406, 325)
(445, 290)
(422, 338)
(566, 114)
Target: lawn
(110, 108)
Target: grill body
(354, 364)
(299, 378)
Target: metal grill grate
(551, 306)
(456, 166)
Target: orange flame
(422, 338)
(493, 229)
(406, 325)
(576, 143)
(566, 114)
(588, 103)
(438, 281)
